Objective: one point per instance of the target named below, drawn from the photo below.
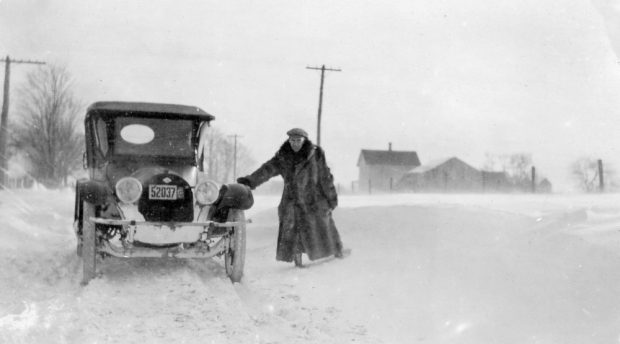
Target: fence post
(533, 179)
(391, 183)
(601, 181)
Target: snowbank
(424, 268)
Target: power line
(5, 114)
(318, 125)
(7, 59)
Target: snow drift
(424, 268)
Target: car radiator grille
(159, 202)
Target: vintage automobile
(147, 193)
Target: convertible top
(167, 110)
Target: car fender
(236, 196)
(93, 191)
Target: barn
(446, 175)
(381, 169)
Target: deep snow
(424, 269)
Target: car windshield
(153, 137)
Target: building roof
(494, 174)
(431, 165)
(389, 157)
(436, 163)
(545, 181)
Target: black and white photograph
(300, 172)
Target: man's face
(296, 142)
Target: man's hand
(245, 181)
(332, 205)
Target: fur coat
(308, 198)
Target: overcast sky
(440, 77)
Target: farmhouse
(447, 175)
(381, 169)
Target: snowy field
(424, 269)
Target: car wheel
(77, 222)
(234, 258)
(78, 249)
(89, 243)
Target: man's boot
(338, 253)
(297, 259)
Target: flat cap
(297, 132)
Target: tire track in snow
(160, 302)
(283, 315)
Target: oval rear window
(138, 134)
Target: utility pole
(318, 125)
(4, 117)
(235, 136)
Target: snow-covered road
(424, 269)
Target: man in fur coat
(308, 198)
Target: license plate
(165, 192)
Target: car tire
(89, 243)
(78, 248)
(234, 257)
(77, 221)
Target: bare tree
(48, 134)
(219, 157)
(517, 166)
(585, 172)
(245, 161)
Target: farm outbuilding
(544, 186)
(381, 169)
(496, 182)
(447, 175)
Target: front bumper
(167, 239)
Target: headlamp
(206, 192)
(128, 190)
